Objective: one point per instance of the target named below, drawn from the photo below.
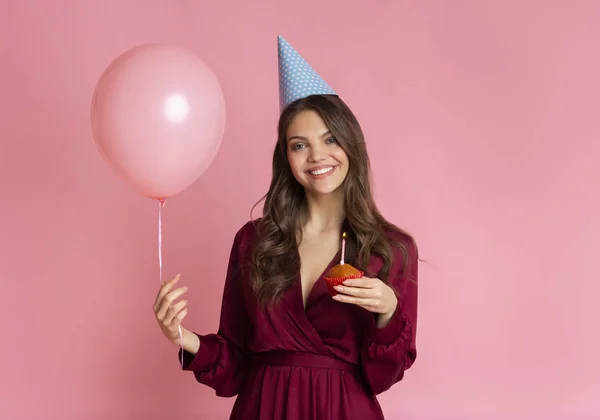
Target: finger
(168, 301)
(164, 289)
(179, 318)
(362, 292)
(173, 311)
(364, 302)
(364, 282)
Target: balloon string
(161, 204)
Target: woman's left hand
(369, 293)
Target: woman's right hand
(169, 314)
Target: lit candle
(343, 246)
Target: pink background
(481, 119)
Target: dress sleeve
(221, 361)
(389, 351)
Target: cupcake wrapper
(336, 281)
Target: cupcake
(341, 272)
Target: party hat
(297, 79)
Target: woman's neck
(323, 213)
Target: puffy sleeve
(389, 351)
(222, 362)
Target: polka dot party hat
(297, 79)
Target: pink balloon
(158, 117)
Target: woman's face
(317, 161)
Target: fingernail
(347, 282)
(340, 288)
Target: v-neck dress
(323, 362)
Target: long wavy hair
(275, 261)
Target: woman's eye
(297, 146)
(331, 140)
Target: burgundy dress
(326, 362)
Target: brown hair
(275, 259)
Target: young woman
(286, 347)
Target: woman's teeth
(321, 171)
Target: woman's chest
(317, 254)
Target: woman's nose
(316, 153)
